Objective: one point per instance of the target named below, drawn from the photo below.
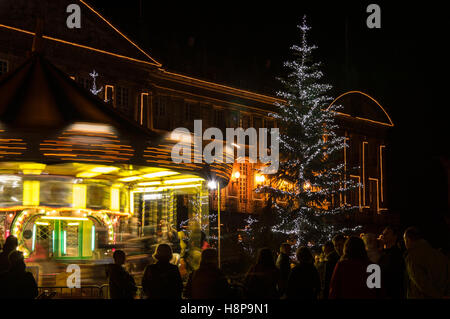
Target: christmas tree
(305, 193)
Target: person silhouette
(10, 245)
(17, 283)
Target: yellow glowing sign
(79, 196)
(160, 174)
(182, 180)
(31, 193)
(115, 198)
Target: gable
(96, 32)
(361, 106)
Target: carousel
(77, 176)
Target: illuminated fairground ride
(76, 174)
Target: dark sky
(403, 65)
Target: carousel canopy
(46, 117)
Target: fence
(84, 292)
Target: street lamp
(213, 185)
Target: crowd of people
(409, 268)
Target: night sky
(402, 65)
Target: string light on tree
(310, 171)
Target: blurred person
(162, 280)
(17, 283)
(304, 279)
(428, 269)
(204, 242)
(10, 245)
(263, 279)
(392, 264)
(320, 264)
(121, 283)
(284, 265)
(349, 279)
(208, 281)
(338, 243)
(371, 243)
(331, 259)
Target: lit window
(109, 94)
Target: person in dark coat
(392, 265)
(304, 280)
(162, 280)
(349, 280)
(121, 283)
(17, 283)
(428, 269)
(208, 281)
(10, 245)
(284, 265)
(331, 259)
(263, 279)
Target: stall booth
(77, 176)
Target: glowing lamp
(260, 178)
(237, 175)
(307, 186)
(212, 185)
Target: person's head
(209, 258)
(354, 248)
(16, 261)
(389, 236)
(285, 248)
(119, 257)
(265, 257)
(370, 241)
(328, 247)
(11, 243)
(163, 253)
(338, 243)
(304, 255)
(411, 235)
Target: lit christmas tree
(305, 193)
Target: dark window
(257, 122)
(85, 82)
(3, 67)
(122, 98)
(245, 121)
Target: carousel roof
(46, 117)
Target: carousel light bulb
(212, 185)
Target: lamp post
(213, 185)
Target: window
(109, 94)
(3, 67)
(187, 111)
(143, 109)
(160, 106)
(85, 82)
(257, 122)
(245, 121)
(122, 98)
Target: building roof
(46, 117)
(360, 106)
(96, 33)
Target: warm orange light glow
(237, 175)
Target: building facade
(158, 100)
